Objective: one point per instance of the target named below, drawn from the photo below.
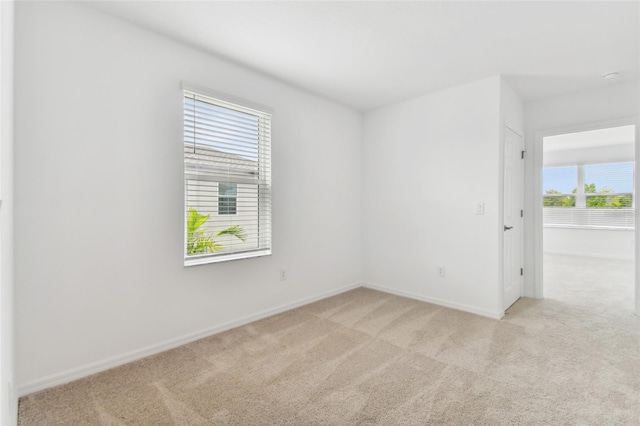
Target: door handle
(506, 228)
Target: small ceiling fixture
(611, 75)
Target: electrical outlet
(283, 274)
(441, 271)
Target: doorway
(588, 216)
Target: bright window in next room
(589, 195)
(227, 160)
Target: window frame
(581, 200)
(264, 181)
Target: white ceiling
(367, 54)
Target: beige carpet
(366, 357)
(601, 284)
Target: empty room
(319, 212)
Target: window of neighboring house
(227, 173)
(590, 195)
(227, 198)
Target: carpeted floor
(603, 285)
(364, 358)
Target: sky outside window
(617, 177)
(562, 179)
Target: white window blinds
(596, 195)
(227, 160)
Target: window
(558, 186)
(227, 159)
(609, 185)
(227, 198)
(590, 195)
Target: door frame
(537, 188)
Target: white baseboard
(453, 305)
(584, 254)
(108, 363)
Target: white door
(513, 232)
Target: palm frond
(199, 241)
(234, 230)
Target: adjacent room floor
(600, 284)
(366, 357)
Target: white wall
(99, 196)
(605, 243)
(614, 102)
(600, 154)
(511, 107)
(426, 162)
(8, 399)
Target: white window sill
(206, 259)
(593, 227)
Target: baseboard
(441, 302)
(597, 256)
(108, 363)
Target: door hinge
(522, 155)
(521, 271)
(521, 213)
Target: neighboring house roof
(205, 160)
